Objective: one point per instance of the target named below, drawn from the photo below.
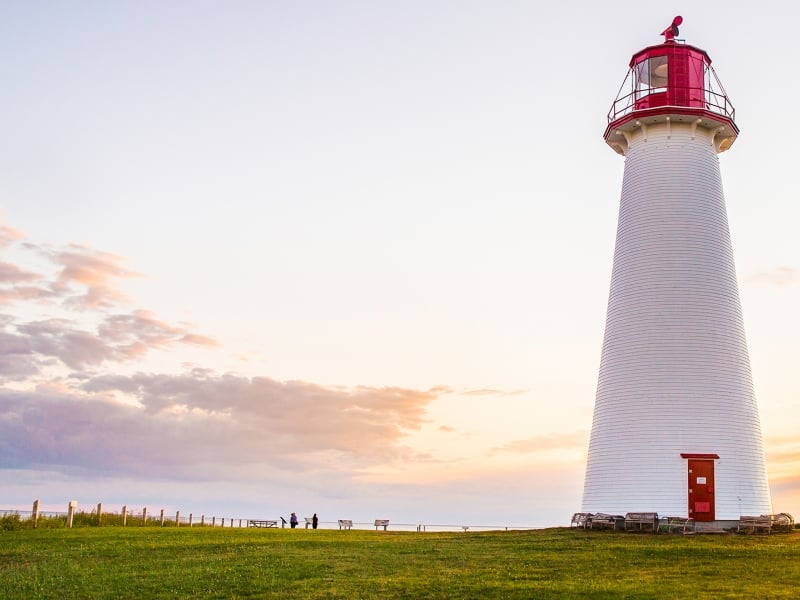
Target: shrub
(11, 522)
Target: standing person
(293, 520)
(314, 521)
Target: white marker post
(71, 512)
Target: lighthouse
(675, 428)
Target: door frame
(699, 457)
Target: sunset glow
(349, 258)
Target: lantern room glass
(651, 76)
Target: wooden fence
(129, 517)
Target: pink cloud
(196, 339)
(198, 420)
(165, 425)
(17, 284)
(10, 273)
(132, 335)
(118, 338)
(88, 278)
(86, 281)
(9, 235)
(57, 338)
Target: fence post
(177, 518)
(162, 517)
(71, 512)
(99, 511)
(124, 515)
(35, 513)
(144, 516)
(190, 519)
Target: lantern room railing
(631, 98)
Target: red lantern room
(671, 82)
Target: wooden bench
(345, 524)
(676, 525)
(309, 521)
(751, 524)
(581, 520)
(381, 523)
(258, 523)
(641, 521)
(605, 521)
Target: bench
(676, 525)
(605, 521)
(641, 521)
(258, 523)
(309, 521)
(345, 524)
(751, 524)
(766, 523)
(782, 522)
(381, 523)
(581, 520)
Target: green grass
(145, 562)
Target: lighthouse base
(716, 527)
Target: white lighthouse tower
(675, 427)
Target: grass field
(116, 562)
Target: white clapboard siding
(675, 373)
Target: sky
(350, 257)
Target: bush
(11, 522)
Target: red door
(701, 489)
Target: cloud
(88, 278)
(136, 333)
(9, 235)
(198, 420)
(81, 282)
(70, 409)
(82, 278)
(16, 284)
(10, 273)
(117, 338)
(778, 277)
(783, 455)
(544, 443)
(491, 392)
(786, 456)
